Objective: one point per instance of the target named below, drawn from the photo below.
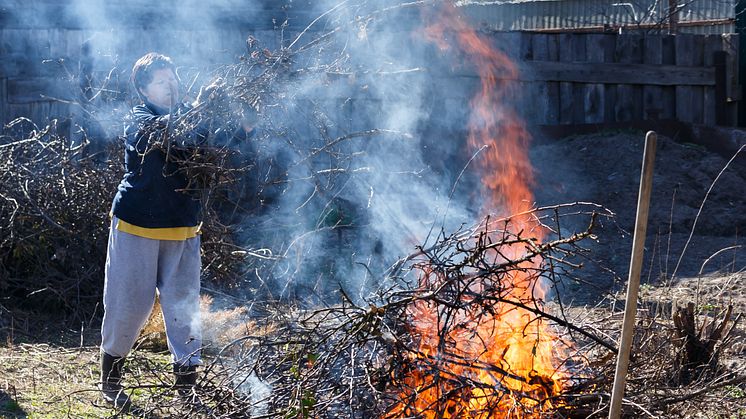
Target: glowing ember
(495, 362)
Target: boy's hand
(208, 93)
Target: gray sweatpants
(136, 268)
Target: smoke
(192, 32)
(395, 192)
(259, 392)
(341, 217)
(87, 48)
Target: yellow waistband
(170, 233)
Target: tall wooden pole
(633, 282)
(741, 73)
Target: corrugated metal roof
(705, 15)
(493, 2)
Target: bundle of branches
(206, 139)
(423, 349)
(54, 207)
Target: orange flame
(508, 356)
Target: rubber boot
(185, 379)
(184, 383)
(111, 381)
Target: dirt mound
(605, 168)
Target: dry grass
(220, 326)
(654, 381)
(42, 380)
(47, 381)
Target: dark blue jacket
(149, 194)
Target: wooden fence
(47, 47)
(565, 78)
(610, 78)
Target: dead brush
(353, 361)
(54, 205)
(220, 326)
(357, 361)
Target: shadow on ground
(9, 407)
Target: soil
(691, 255)
(604, 168)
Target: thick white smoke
(347, 213)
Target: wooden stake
(633, 281)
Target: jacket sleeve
(143, 128)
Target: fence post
(741, 30)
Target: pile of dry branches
(359, 361)
(55, 199)
(353, 361)
(54, 205)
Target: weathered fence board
(668, 44)
(566, 103)
(541, 51)
(720, 100)
(3, 101)
(733, 92)
(594, 92)
(685, 94)
(570, 50)
(695, 57)
(565, 78)
(652, 96)
(553, 87)
(712, 44)
(542, 48)
(731, 46)
(618, 73)
(629, 50)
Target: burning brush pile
(470, 325)
(480, 331)
(472, 336)
(474, 328)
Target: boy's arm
(144, 128)
(136, 126)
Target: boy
(154, 242)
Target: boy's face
(163, 90)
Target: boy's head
(155, 80)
